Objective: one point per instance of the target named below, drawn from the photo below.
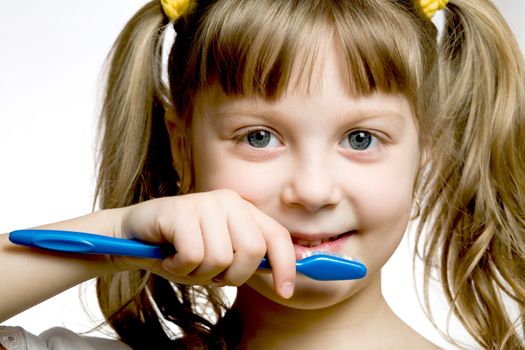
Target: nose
(312, 185)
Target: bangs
(265, 47)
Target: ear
(179, 146)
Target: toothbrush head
(324, 266)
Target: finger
(218, 250)
(280, 252)
(248, 244)
(182, 228)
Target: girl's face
(325, 165)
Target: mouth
(317, 242)
(327, 244)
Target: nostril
(311, 194)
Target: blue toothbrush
(322, 266)
(319, 266)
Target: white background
(51, 54)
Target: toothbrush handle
(265, 264)
(88, 243)
(318, 267)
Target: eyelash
(376, 140)
(243, 138)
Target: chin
(309, 294)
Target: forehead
(266, 52)
(325, 84)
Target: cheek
(214, 168)
(383, 209)
(232, 176)
(384, 194)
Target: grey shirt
(57, 338)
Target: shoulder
(12, 338)
(57, 338)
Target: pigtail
(135, 166)
(132, 111)
(477, 200)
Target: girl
(285, 125)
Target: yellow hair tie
(430, 7)
(175, 8)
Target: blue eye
(261, 139)
(360, 140)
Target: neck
(270, 325)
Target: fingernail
(287, 290)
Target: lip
(332, 244)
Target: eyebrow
(272, 114)
(377, 113)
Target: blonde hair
(250, 47)
(475, 191)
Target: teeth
(315, 243)
(309, 253)
(310, 244)
(302, 242)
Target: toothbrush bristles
(309, 253)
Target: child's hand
(219, 238)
